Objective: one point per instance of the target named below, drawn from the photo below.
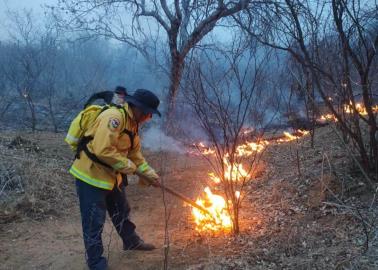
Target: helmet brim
(145, 109)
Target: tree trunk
(372, 124)
(52, 116)
(175, 78)
(235, 219)
(33, 119)
(5, 109)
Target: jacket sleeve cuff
(121, 165)
(143, 167)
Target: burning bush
(226, 102)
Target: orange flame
(219, 220)
(247, 131)
(348, 109)
(233, 172)
(290, 137)
(328, 117)
(242, 150)
(204, 149)
(249, 148)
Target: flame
(303, 132)
(220, 219)
(208, 151)
(216, 205)
(249, 148)
(247, 131)
(204, 149)
(233, 172)
(242, 150)
(290, 137)
(328, 117)
(360, 108)
(348, 109)
(215, 178)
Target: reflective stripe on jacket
(111, 146)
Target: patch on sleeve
(113, 123)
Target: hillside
(306, 209)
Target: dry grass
(33, 179)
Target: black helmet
(145, 100)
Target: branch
(208, 24)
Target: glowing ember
(219, 219)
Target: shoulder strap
(131, 136)
(130, 133)
(93, 157)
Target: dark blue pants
(94, 202)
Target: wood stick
(174, 193)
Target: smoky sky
(37, 6)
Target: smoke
(155, 140)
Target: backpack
(83, 121)
(106, 96)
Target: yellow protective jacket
(112, 146)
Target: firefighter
(113, 149)
(116, 97)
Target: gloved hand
(145, 170)
(129, 168)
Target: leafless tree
(334, 42)
(303, 88)
(25, 61)
(185, 23)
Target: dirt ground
(298, 214)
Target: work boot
(141, 246)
